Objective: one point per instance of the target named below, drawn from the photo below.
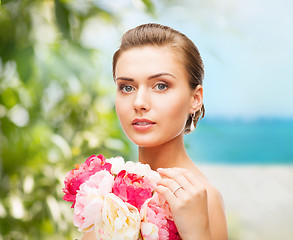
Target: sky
(246, 46)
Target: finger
(198, 182)
(195, 180)
(176, 176)
(176, 189)
(167, 194)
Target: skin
(152, 83)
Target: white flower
(138, 168)
(143, 170)
(149, 230)
(117, 164)
(120, 220)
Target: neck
(167, 155)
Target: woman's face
(153, 98)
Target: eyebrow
(149, 78)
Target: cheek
(119, 109)
(176, 110)
(182, 103)
(123, 110)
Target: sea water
(262, 141)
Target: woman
(159, 72)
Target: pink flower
(172, 229)
(117, 199)
(81, 173)
(132, 188)
(90, 198)
(156, 220)
(138, 168)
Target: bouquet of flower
(117, 200)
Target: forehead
(149, 60)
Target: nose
(141, 101)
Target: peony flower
(80, 174)
(90, 199)
(120, 220)
(149, 231)
(172, 229)
(117, 200)
(138, 168)
(132, 188)
(117, 164)
(143, 170)
(156, 220)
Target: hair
(158, 35)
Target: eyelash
(123, 86)
(163, 84)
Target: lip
(146, 124)
(142, 120)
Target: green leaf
(62, 17)
(25, 63)
(149, 6)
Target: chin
(153, 139)
(146, 145)
(151, 142)
(144, 141)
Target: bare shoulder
(216, 209)
(214, 196)
(217, 216)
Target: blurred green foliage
(54, 111)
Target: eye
(161, 86)
(126, 88)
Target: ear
(196, 99)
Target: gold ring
(177, 189)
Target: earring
(192, 124)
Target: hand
(188, 203)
